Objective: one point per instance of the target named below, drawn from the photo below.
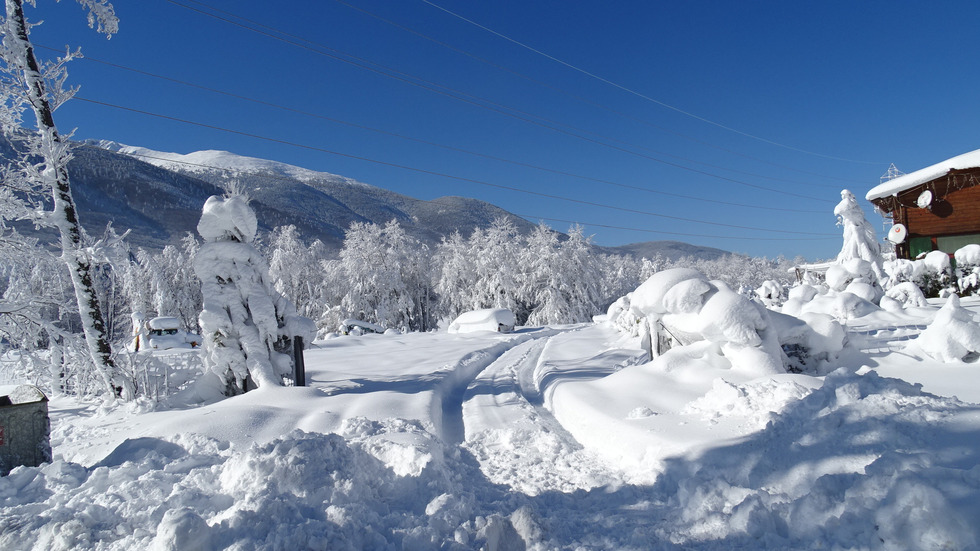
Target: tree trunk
(65, 215)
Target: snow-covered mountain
(159, 196)
(671, 250)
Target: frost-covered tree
(43, 164)
(496, 266)
(245, 322)
(859, 234)
(454, 276)
(164, 283)
(385, 274)
(296, 270)
(565, 282)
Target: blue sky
(726, 124)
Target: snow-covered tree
(245, 322)
(859, 234)
(454, 276)
(43, 164)
(385, 274)
(564, 278)
(496, 266)
(295, 269)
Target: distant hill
(158, 196)
(671, 250)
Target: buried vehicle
(165, 333)
(358, 327)
(500, 320)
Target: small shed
(938, 207)
(24, 427)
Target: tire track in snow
(516, 439)
(447, 409)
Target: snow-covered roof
(909, 181)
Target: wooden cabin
(938, 207)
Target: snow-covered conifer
(859, 235)
(244, 320)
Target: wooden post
(299, 366)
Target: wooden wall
(956, 213)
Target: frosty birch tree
(245, 322)
(29, 84)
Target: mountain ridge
(159, 195)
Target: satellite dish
(898, 233)
(924, 200)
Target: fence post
(299, 367)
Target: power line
(469, 98)
(618, 113)
(434, 144)
(639, 94)
(440, 174)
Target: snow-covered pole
(20, 56)
(299, 365)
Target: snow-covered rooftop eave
(909, 181)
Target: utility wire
(469, 98)
(639, 94)
(616, 112)
(440, 174)
(434, 144)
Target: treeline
(384, 276)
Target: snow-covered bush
(690, 308)
(934, 274)
(907, 294)
(770, 292)
(897, 271)
(968, 269)
(622, 318)
(247, 326)
(953, 335)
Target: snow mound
(953, 335)
(301, 491)
(757, 401)
(648, 298)
(500, 320)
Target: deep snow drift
(545, 438)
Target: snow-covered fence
(159, 375)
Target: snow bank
(301, 491)
(952, 335)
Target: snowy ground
(546, 438)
